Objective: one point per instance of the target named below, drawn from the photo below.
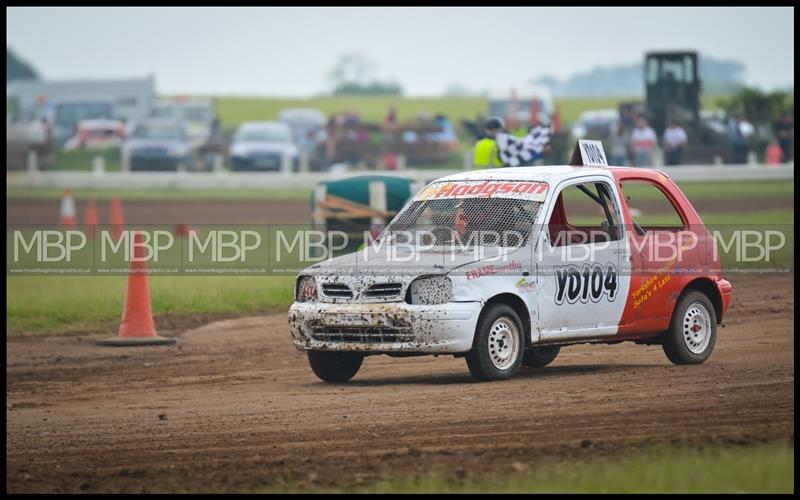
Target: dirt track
(240, 409)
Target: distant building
(131, 99)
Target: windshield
(158, 132)
(266, 134)
(72, 113)
(495, 214)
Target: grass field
(63, 304)
(762, 468)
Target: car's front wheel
(498, 346)
(335, 366)
(693, 330)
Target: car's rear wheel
(335, 366)
(539, 357)
(498, 346)
(693, 330)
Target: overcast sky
(289, 51)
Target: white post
(658, 157)
(98, 165)
(401, 162)
(320, 192)
(32, 162)
(286, 164)
(304, 160)
(219, 163)
(125, 159)
(468, 160)
(317, 219)
(717, 159)
(377, 201)
(752, 158)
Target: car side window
(650, 207)
(585, 213)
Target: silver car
(263, 146)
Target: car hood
(398, 261)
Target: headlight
(306, 289)
(430, 290)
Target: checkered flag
(515, 152)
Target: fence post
(286, 164)
(658, 157)
(401, 162)
(125, 159)
(98, 165)
(319, 222)
(32, 162)
(467, 160)
(303, 166)
(377, 201)
(219, 163)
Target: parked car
(262, 146)
(159, 144)
(504, 267)
(306, 125)
(97, 135)
(66, 114)
(196, 114)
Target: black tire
(539, 357)
(480, 358)
(335, 366)
(693, 320)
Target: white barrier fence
(98, 178)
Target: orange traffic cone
(68, 209)
(90, 220)
(117, 223)
(137, 327)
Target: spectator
(619, 145)
(391, 119)
(773, 154)
(741, 130)
(643, 142)
(674, 142)
(784, 132)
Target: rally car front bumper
(384, 327)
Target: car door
(582, 262)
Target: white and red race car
(504, 266)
